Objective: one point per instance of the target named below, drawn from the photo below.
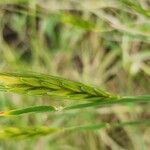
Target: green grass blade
(108, 102)
(108, 125)
(35, 109)
(136, 6)
(101, 103)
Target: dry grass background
(104, 43)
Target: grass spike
(39, 84)
(30, 132)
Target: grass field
(74, 75)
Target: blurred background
(103, 43)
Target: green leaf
(35, 109)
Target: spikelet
(39, 84)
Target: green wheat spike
(30, 132)
(25, 133)
(39, 84)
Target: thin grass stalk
(102, 103)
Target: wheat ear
(39, 84)
(30, 132)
